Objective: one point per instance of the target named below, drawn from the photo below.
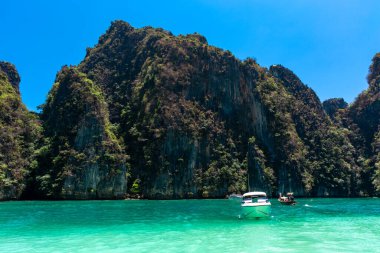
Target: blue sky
(328, 44)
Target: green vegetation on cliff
(334, 106)
(80, 156)
(322, 151)
(363, 119)
(19, 131)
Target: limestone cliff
(363, 120)
(18, 132)
(80, 158)
(187, 111)
(328, 163)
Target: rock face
(81, 157)
(365, 111)
(363, 119)
(325, 172)
(18, 132)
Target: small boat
(255, 205)
(288, 199)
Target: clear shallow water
(314, 225)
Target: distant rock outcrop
(334, 105)
(13, 77)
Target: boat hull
(256, 211)
(288, 203)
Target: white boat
(255, 205)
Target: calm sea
(314, 225)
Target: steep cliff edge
(19, 130)
(363, 119)
(80, 158)
(328, 156)
(365, 111)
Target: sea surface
(313, 225)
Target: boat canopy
(255, 194)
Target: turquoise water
(314, 225)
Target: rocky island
(161, 116)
